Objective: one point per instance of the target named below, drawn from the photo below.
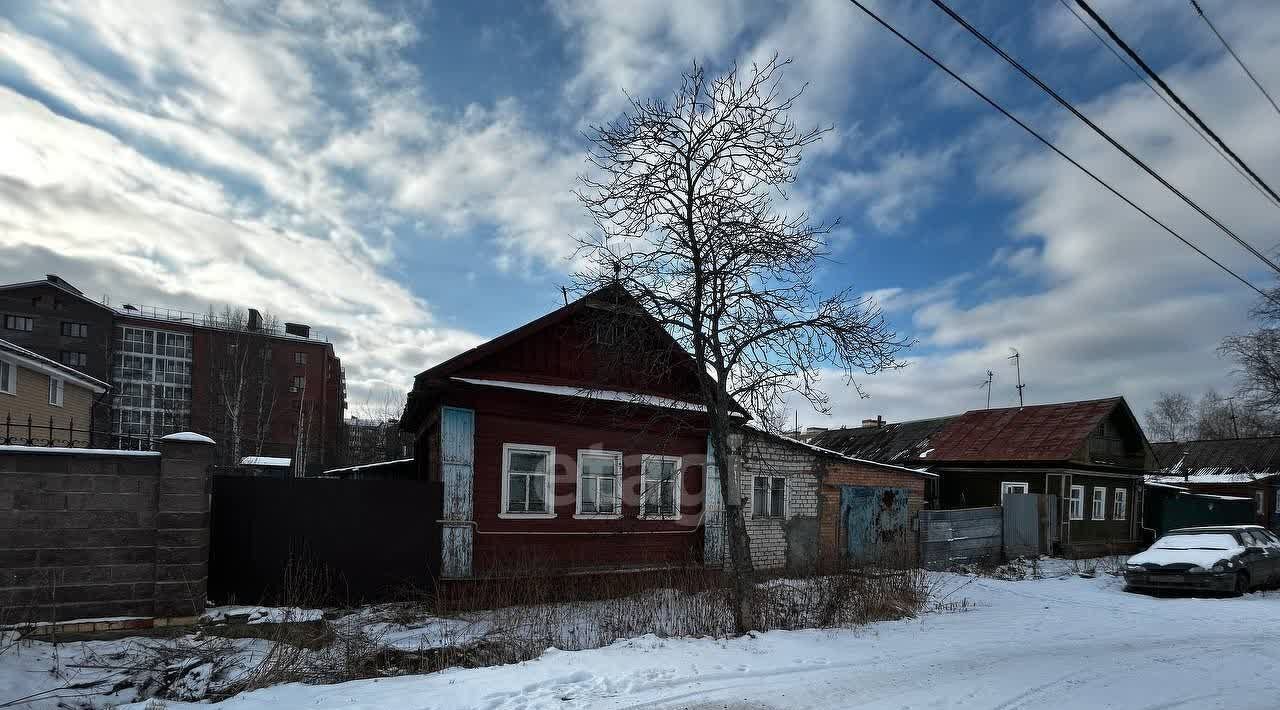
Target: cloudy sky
(398, 175)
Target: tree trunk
(741, 567)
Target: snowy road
(1033, 644)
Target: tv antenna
(991, 376)
(1017, 363)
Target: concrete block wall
(87, 533)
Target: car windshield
(1197, 541)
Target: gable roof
(35, 361)
(611, 297)
(56, 282)
(1040, 433)
(1217, 460)
(1044, 432)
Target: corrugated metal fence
(956, 536)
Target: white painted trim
(58, 387)
(676, 492)
(1118, 495)
(46, 366)
(10, 386)
(1093, 508)
(617, 486)
(549, 495)
(786, 497)
(1026, 488)
(1071, 499)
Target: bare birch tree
(244, 390)
(683, 193)
(1170, 417)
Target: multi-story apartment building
(258, 387)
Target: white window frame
(9, 384)
(1261, 498)
(677, 483)
(57, 390)
(617, 486)
(548, 494)
(1120, 504)
(770, 514)
(1075, 504)
(1006, 485)
(1098, 503)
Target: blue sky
(399, 174)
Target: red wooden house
(558, 449)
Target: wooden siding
(504, 545)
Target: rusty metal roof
(1044, 432)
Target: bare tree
(682, 193)
(372, 433)
(244, 390)
(1170, 417)
(1257, 357)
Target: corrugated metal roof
(1218, 460)
(1045, 432)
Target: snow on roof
(37, 361)
(1210, 475)
(189, 436)
(69, 450)
(361, 467)
(265, 461)
(588, 393)
(837, 454)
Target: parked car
(1228, 558)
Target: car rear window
(1197, 541)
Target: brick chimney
(873, 423)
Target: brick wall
(89, 533)
(841, 473)
(789, 540)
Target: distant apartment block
(259, 388)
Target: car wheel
(1242, 584)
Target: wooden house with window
(1090, 455)
(558, 449)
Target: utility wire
(991, 102)
(1106, 136)
(1181, 104)
(1234, 56)
(1134, 70)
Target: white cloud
(1122, 307)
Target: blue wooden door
(874, 520)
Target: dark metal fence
(29, 431)
(325, 540)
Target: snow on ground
(1061, 642)
(261, 614)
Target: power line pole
(1017, 363)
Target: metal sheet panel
(1021, 524)
(874, 520)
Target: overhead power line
(1164, 99)
(1234, 56)
(1173, 95)
(1106, 136)
(991, 102)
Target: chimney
(299, 329)
(255, 319)
(872, 423)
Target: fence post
(182, 524)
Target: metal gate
(875, 520)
